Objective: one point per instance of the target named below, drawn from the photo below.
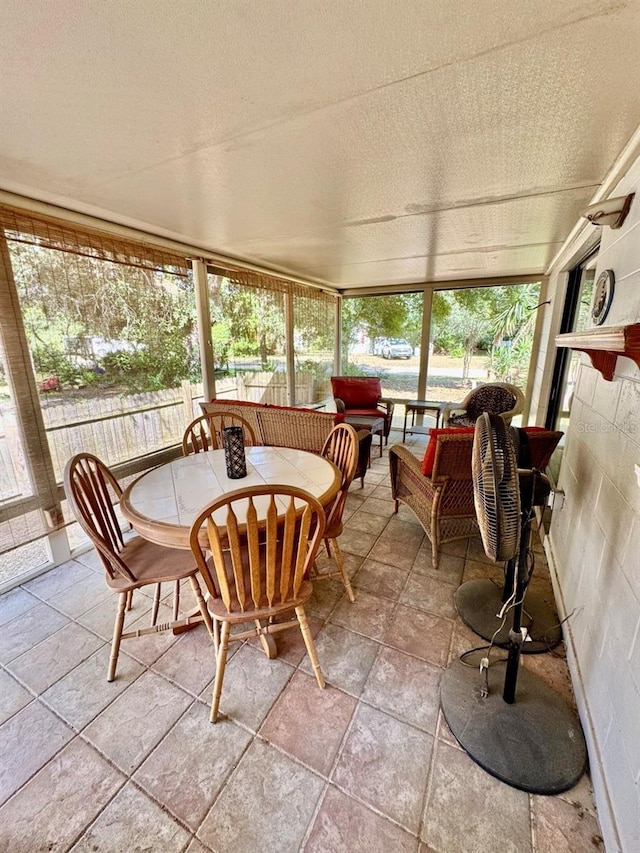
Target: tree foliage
(91, 321)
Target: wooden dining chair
(205, 432)
(341, 448)
(92, 490)
(262, 541)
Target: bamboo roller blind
(42, 230)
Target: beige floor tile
(14, 603)
(137, 720)
(345, 826)
(326, 594)
(405, 687)
(82, 596)
(197, 847)
(190, 661)
(378, 506)
(82, 694)
(478, 570)
(187, 769)
(59, 802)
(148, 648)
(287, 794)
(251, 684)
(367, 522)
(404, 531)
(27, 741)
(457, 548)
(133, 822)
(309, 723)
(90, 559)
(358, 542)
(426, 593)
(475, 551)
(560, 827)
(55, 580)
(464, 639)
(13, 696)
(100, 618)
(29, 629)
(420, 634)
(345, 658)
(54, 657)
(399, 554)
(369, 615)
(381, 579)
(385, 763)
(581, 795)
(467, 810)
(450, 567)
(445, 734)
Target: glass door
(575, 318)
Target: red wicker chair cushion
(357, 392)
(430, 453)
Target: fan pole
(516, 636)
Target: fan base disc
(535, 745)
(478, 602)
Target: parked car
(397, 348)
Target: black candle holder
(233, 441)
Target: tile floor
(366, 765)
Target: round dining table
(162, 503)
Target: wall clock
(602, 297)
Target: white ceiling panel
(353, 142)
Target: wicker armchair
(442, 501)
(362, 396)
(497, 398)
(439, 488)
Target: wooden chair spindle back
(261, 561)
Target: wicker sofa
(439, 488)
(285, 426)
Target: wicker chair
(443, 501)
(362, 396)
(443, 498)
(497, 398)
(259, 566)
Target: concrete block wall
(594, 543)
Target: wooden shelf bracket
(604, 345)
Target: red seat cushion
(367, 413)
(361, 392)
(430, 453)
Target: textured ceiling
(357, 142)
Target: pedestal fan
(483, 605)
(524, 735)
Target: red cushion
(367, 413)
(357, 391)
(430, 453)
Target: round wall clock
(602, 296)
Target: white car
(397, 348)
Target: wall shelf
(604, 345)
